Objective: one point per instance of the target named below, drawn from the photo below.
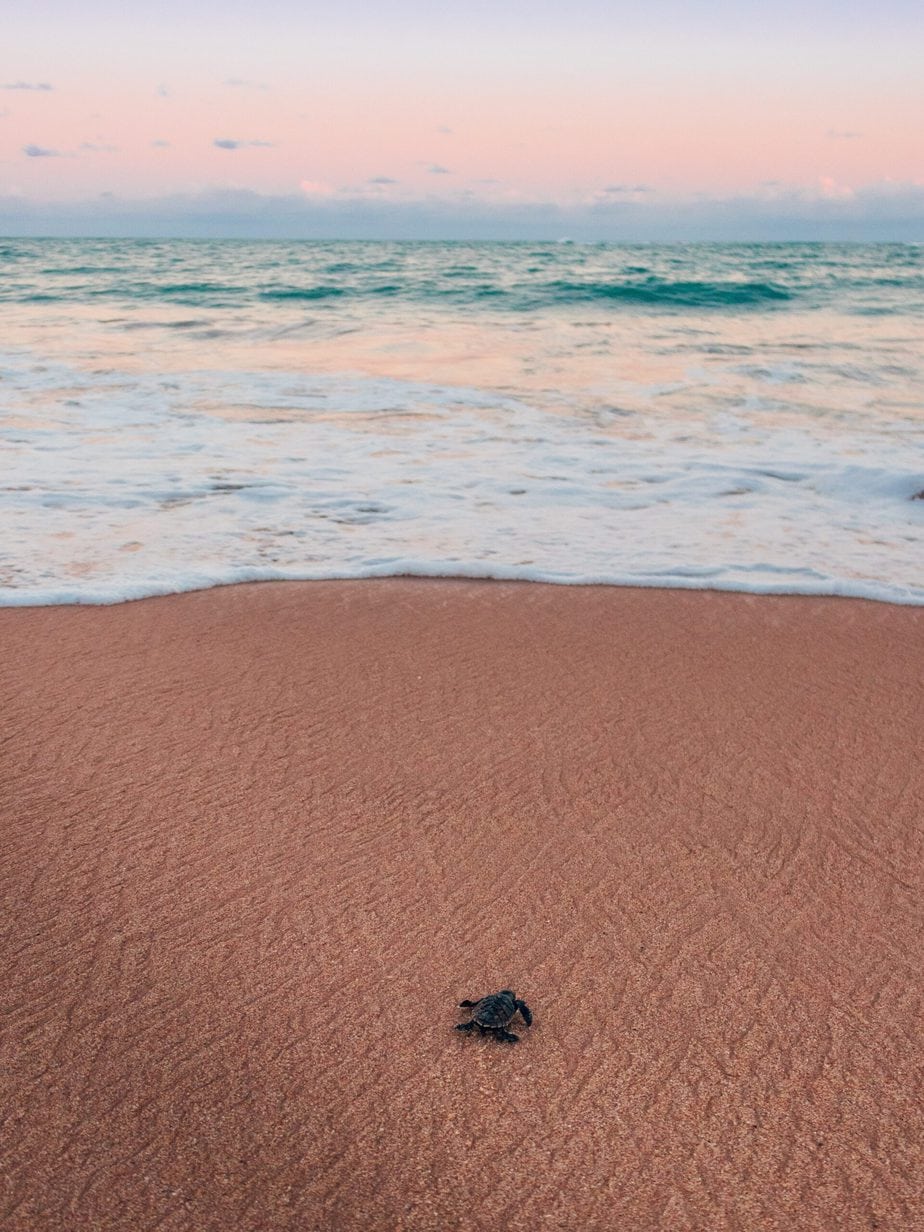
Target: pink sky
(323, 102)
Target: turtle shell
(495, 1010)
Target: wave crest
(682, 294)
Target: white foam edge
(703, 579)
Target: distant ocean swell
(651, 293)
(500, 278)
(745, 417)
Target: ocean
(182, 414)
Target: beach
(260, 840)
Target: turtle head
(508, 992)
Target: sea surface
(176, 414)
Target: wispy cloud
(381, 179)
(163, 91)
(231, 143)
(443, 128)
(842, 134)
(161, 145)
(436, 169)
(99, 147)
(40, 151)
(27, 85)
(619, 196)
(316, 188)
(243, 83)
(831, 189)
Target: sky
(413, 119)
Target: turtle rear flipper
(507, 1036)
(526, 1012)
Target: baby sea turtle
(493, 1013)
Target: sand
(257, 842)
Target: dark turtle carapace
(493, 1014)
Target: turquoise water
(530, 278)
(179, 414)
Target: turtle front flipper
(465, 1026)
(507, 1036)
(467, 1005)
(526, 1012)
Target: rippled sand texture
(257, 842)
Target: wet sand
(258, 841)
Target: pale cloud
(27, 85)
(436, 169)
(832, 190)
(316, 188)
(617, 196)
(842, 134)
(230, 143)
(163, 91)
(161, 145)
(40, 151)
(99, 147)
(242, 83)
(381, 179)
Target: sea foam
(769, 443)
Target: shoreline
(259, 840)
(253, 577)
